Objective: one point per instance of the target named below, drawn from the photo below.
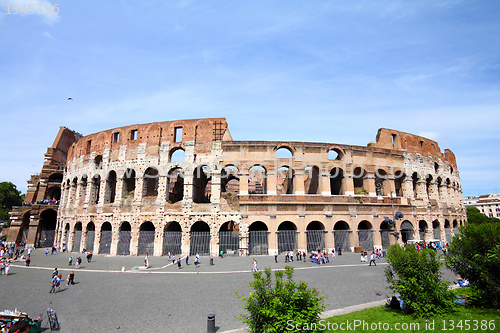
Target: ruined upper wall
(57, 153)
(194, 130)
(414, 144)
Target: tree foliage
(9, 196)
(474, 216)
(416, 276)
(474, 254)
(275, 309)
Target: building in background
(488, 204)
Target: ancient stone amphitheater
(186, 187)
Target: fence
(229, 242)
(365, 238)
(342, 238)
(258, 242)
(89, 244)
(315, 240)
(172, 242)
(146, 242)
(105, 244)
(384, 235)
(287, 240)
(123, 243)
(199, 243)
(76, 241)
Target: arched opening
(230, 183)
(436, 231)
(336, 178)
(406, 231)
(229, 238)
(172, 238)
(47, 228)
(381, 183)
(89, 242)
(53, 193)
(98, 162)
(399, 178)
(201, 190)
(428, 184)
(384, 234)
(311, 183)
(55, 178)
(175, 185)
(422, 228)
(258, 238)
(77, 237)
(284, 183)
(365, 235)
(257, 180)
(146, 238)
(455, 227)
(24, 228)
(341, 236)
(96, 187)
(151, 177)
(335, 154)
(283, 152)
(287, 237)
(128, 183)
(66, 235)
(124, 239)
(359, 175)
(315, 232)
(415, 178)
(447, 230)
(106, 238)
(110, 188)
(178, 155)
(199, 239)
(83, 191)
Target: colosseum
(187, 187)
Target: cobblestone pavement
(164, 298)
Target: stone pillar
(185, 241)
(161, 198)
(115, 237)
(216, 191)
(442, 230)
(244, 184)
(451, 194)
(71, 202)
(443, 193)
(134, 240)
(119, 191)
(421, 189)
(325, 185)
(273, 242)
(407, 188)
(158, 245)
(302, 240)
(298, 183)
(392, 187)
(377, 239)
(97, 240)
(71, 240)
(139, 189)
(187, 199)
(433, 191)
(348, 185)
(329, 241)
(214, 242)
(271, 182)
(369, 185)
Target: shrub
(417, 277)
(274, 309)
(474, 254)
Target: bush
(474, 254)
(417, 277)
(275, 309)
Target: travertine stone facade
(185, 186)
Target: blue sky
(309, 70)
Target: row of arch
(198, 239)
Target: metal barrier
(47, 238)
(342, 238)
(89, 243)
(146, 242)
(365, 238)
(172, 242)
(287, 240)
(315, 240)
(76, 241)
(258, 243)
(386, 242)
(199, 243)
(124, 243)
(105, 243)
(229, 242)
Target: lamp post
(395, 215)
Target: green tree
(9, 196)
(474, 216)
(280, 308)
(474, 254)
(417, 277)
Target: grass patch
(467, 319)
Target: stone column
(421, 189)
(214, 242)
(298, 183)
(407, 188)
(451, 194)
(161, 198)
(187, 199)
(119, 191)
(244, 183)
(139, 189)
(271, 182)
(158, 245)
(348, 185)
(97, 240)
(71, 240)
(115, 237)
(391, 188)
(134, 240)
(377, 239)
(325, 185)
(443, 193)
(369, 185)
(433, 191)
(329, 241)
(301, 240)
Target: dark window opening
(116, 137)
(178, 134)
(133, 135)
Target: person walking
(53, 283)
(7, 269)
(146, 261)
(70, 261)
(71, 278)
(372, 259)
(187, 259)
(179, 263)
(276, 258)
(196, 262)
(254, 265)
(169, 255)
(28, 261)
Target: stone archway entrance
(47, 228)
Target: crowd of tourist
(50, 202)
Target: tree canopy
(9, 196)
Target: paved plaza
(167, 299)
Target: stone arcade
(186, 187)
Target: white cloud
(48, 35)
